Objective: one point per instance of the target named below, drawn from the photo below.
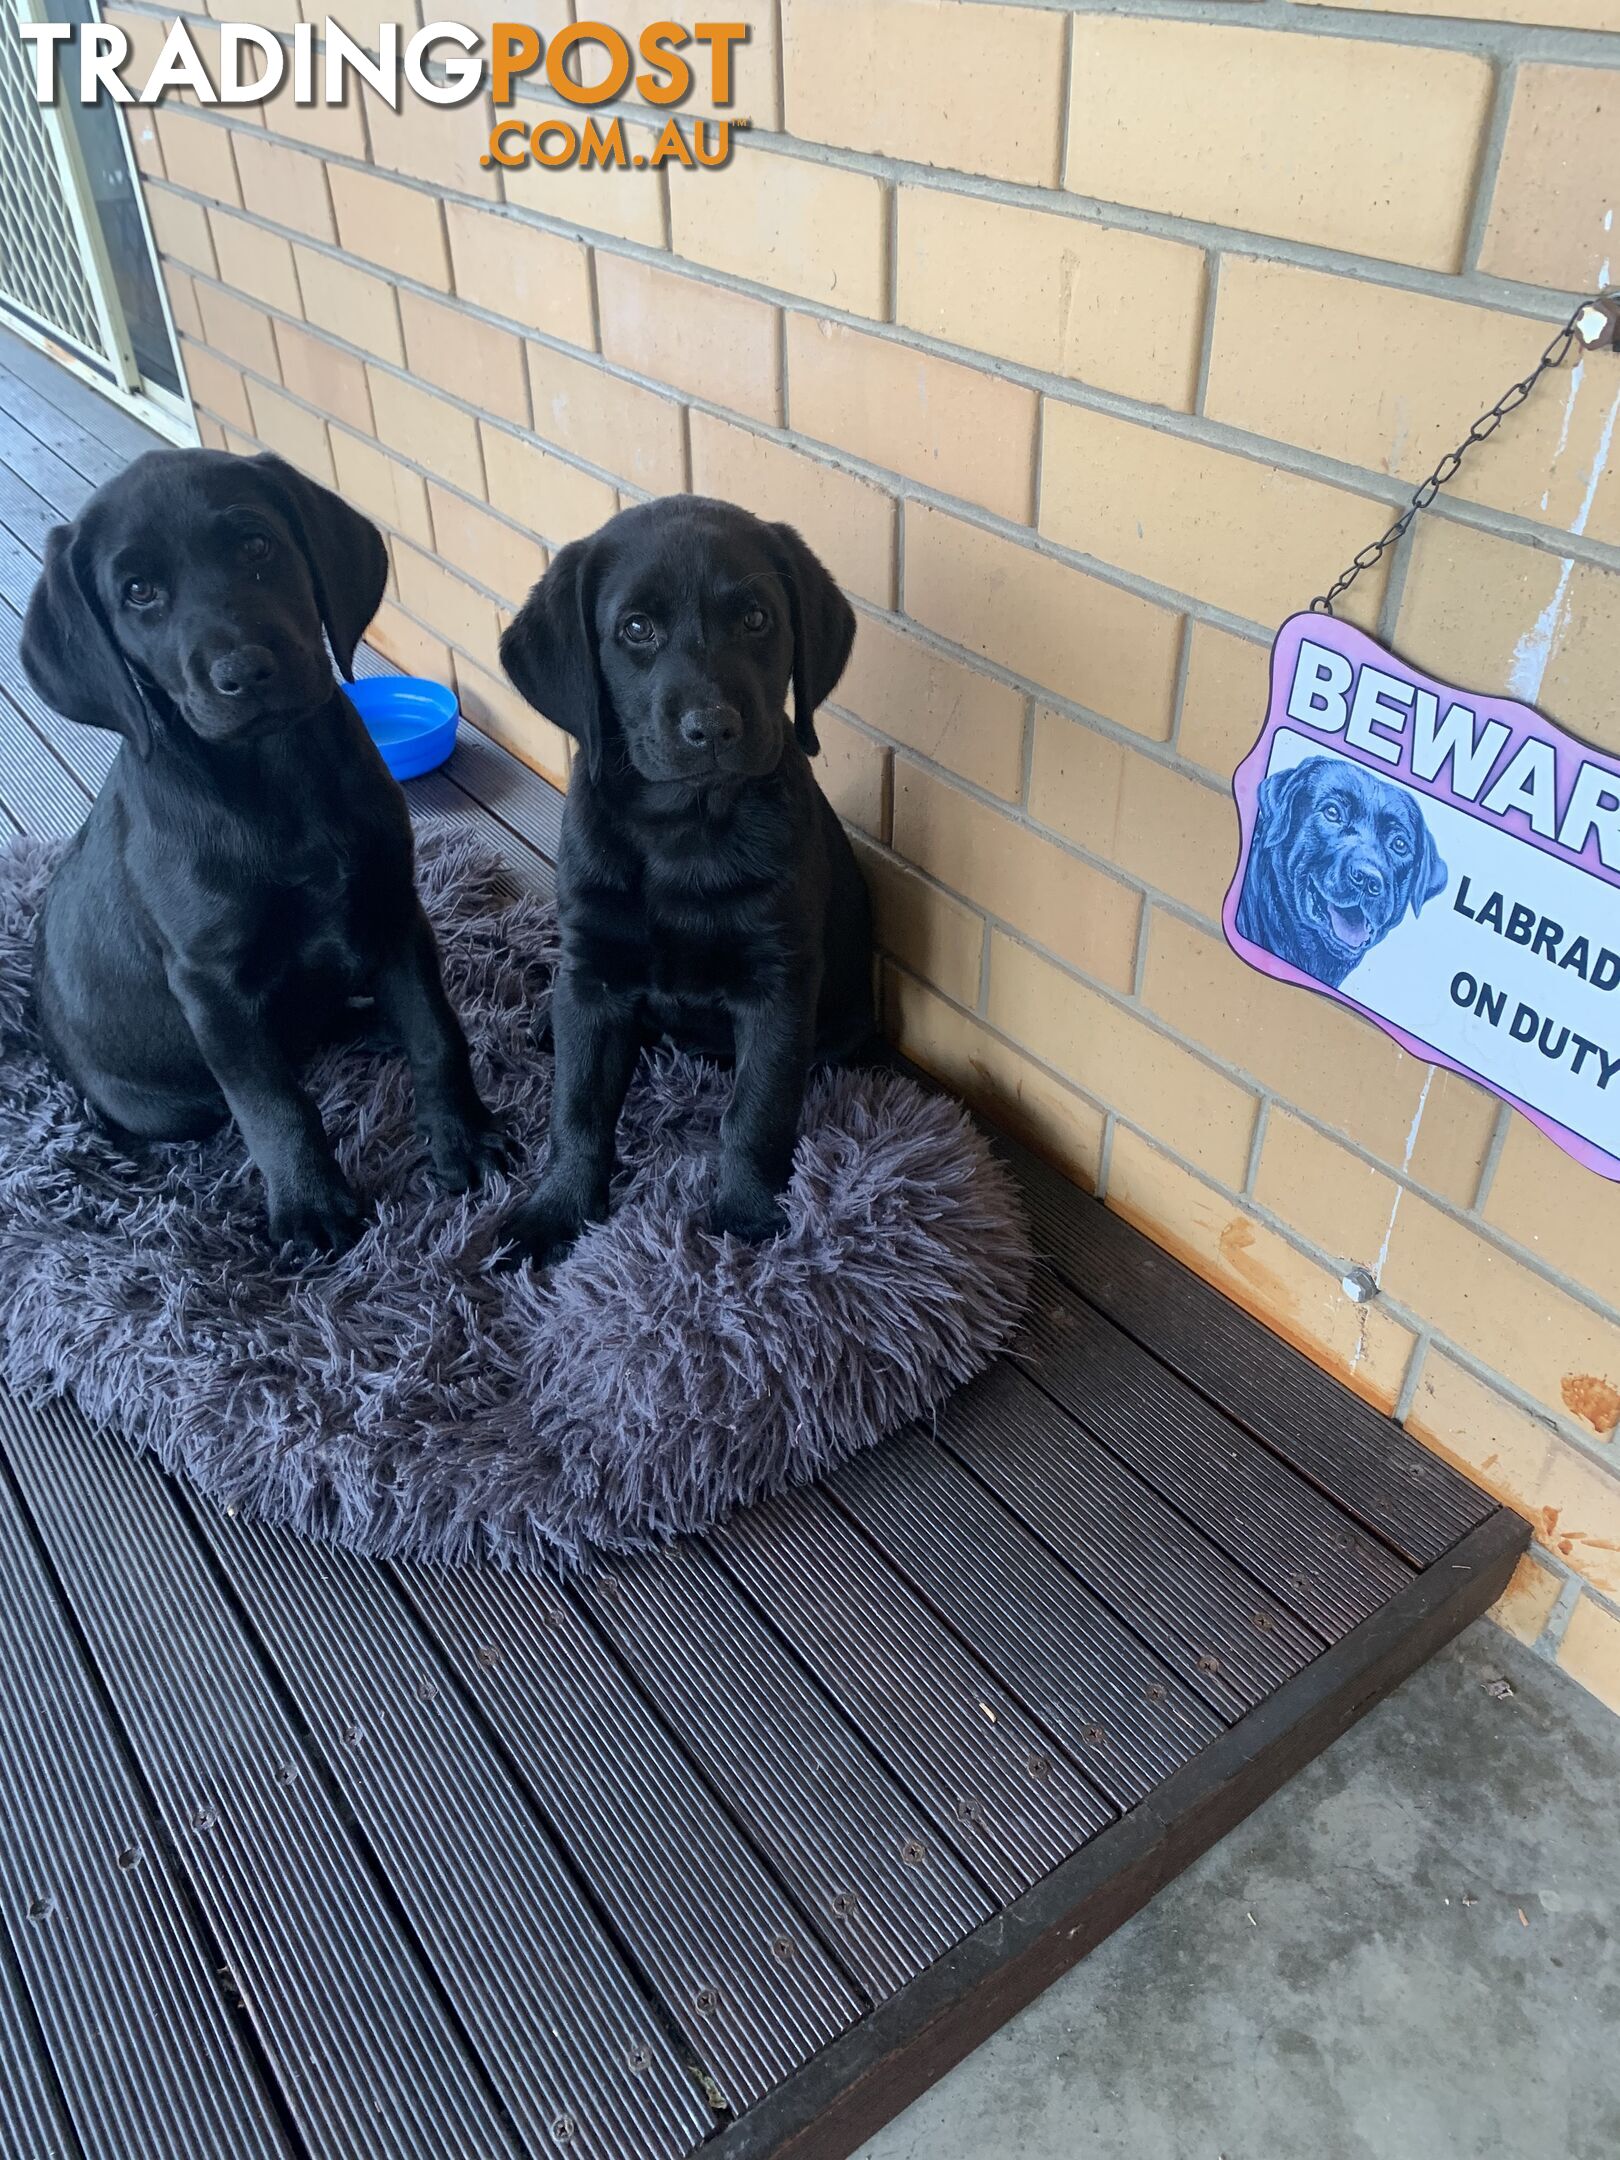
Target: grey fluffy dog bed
(409, 1398)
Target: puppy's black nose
(250, 667)
(711, 727)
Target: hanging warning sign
(1444, 862)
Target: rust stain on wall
(1595, 1402)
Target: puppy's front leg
(597, 1041)
(311, 1204)
(775, 1039)
(461, 1135)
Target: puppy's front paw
(750, 1212)
(541, 1230)
(323, 1218)
(465, 1150)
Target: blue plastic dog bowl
(411, 720)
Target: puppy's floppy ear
(823, 632)
(1429, 872)
(348, 563)
(68, 651)
(549, 651)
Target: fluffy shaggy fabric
(409, 1399)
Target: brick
(472, 360)
(1261, 1271)
(514, 269)
(447, 604)
(936, 705)
(1590, 1651)
(182, 292)
(286, 186)
(423, 428)
(926, 929)
(332, 381)
(1573, 1501)
(1315, 1055)
(1225, 699)
(351, 303)
(1552, 211)
(542, 493)
(408, 645)
(754, 72)
(1109, 1051)
(274, 14)
(1088, 641)
(1337, 1202)
(1313, 359)
(630, 432)
(698, 337)
(1565, 14)
(1157, 824)
(210, 434)
(382, 487)
(949, 427)
(812, 230)
(1121, 310)
(293, 433)
(334, 130)
(239, 330)
(1489, 1304)
(217, 386)
(849, 522)
(988, 1072)
(1556, 1209)
(1236, 531)
(1525, 1604)
(853, 773)
(626, 200)
(257, 262)
(485, 548)
(397, 228)
(1482, 610)
(982, 91)
(197, 154)
(1337, 129)
(439, 144)
(495, 707)
(1079, 913)
(181, 230)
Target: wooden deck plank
(575, 2052)
(93, 459)
(33, 2125)
(108, 422)
(739, 1972)
(369, 2071)
(860, 1858)
(91, 1900)
(989, 1777)
(42, 794)
(1415, 1502)
(1308, 1553)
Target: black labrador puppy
(243, 885)
(707, 893)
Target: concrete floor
(1409, 1953)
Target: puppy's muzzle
(711, 727)
(247, 671)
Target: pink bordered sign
(1445, 863)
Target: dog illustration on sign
(1339, 855)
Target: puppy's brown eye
(255, 548)
(755, 621)
(637, 630)
(139, 592)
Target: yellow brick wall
(1084, 345)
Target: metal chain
(1481, 431)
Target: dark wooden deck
(733, 1849)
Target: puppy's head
(196, 587)
(668, 641)
(1351, 852)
